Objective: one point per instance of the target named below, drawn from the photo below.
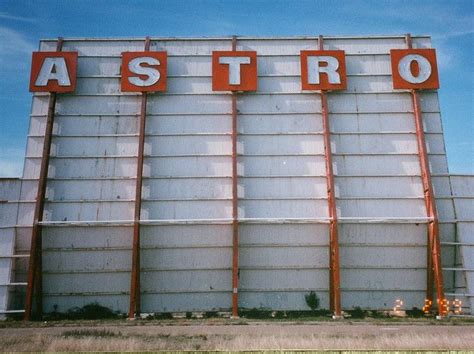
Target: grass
(96, 333)
(92, 311)
(223, 334)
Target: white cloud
(15, 54)
(11, 162)
(452, 34)
(7, 16)
(444, 57)
(11, 168)
(13, 42)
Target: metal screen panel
(186, 242)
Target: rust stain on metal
(334, 276)
(35, 266)
(434, 270)
(135, 299)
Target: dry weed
(254, 337)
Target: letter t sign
(234, 71)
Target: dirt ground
(218, 334)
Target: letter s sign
(414, 69)
(143, 71)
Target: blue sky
(450, 23)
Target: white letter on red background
(53, 69)
(330, 69)
(153, 75)
(143, 71)
(234, 67)
(53, 72)
(414, 69)
(234, 71)
(323, 70)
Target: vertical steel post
(434, 269)
(334, 276)
(135, 299)
(235, 210)
(35, 266)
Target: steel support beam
(135, 298)
(35, 266)
(235, 208)
(434, 270)
(334, 276)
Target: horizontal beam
(196, 134)
(276, 113)
(363, 220)
(229, 269)
(238, 155)
(139, 40)
(15, 256)
(248, 290)
(256, 93)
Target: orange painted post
(234, 71)
(35, 266)
(334, 276)
(135, 299)
(235, 208)
(434, 247)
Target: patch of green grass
(92, 311)
(312, 300)
(261, 313)
(415, 312)
(357, 313)
(266, 314)
(377, 314)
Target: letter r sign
(234, 71)
(323, 70)
(414, 69)
(53, 72)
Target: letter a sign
(53, 72)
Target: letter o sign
(414, 69)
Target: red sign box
(323, 70)
(143, 71)
(414, 69)
(53, 72)
(234, 71)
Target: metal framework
(235, 208)
(334, 276)
(35, 266)
(434, 269)
(135, 299)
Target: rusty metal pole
(434, 269)
(334, 276)
(35, 266)
(235, 210)
(135, 299)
